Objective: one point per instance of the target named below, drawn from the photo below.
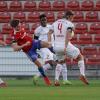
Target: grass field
(25, 90)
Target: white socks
(1, 81)
(81, 67)
(61, 69)
(58, 71)
(64, 71)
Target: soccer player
(63, 30)
(41, 33)
(2, 83)
(22, 41)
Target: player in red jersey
(2, 83)
(22, 41)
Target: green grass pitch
(25, 90)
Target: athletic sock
(81, 66)
(64, 71)
(41, 70)
(58, 71)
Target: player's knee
(80, 57)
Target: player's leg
(81, 66)
(32, 54)
(64, 74)
(41, 70)
(2, 83)
(45, 44)
(74, 53)
(58, 70)
(47, 58)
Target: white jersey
(60, 29)
(42, 32)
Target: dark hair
(14, 23)
(68, 13)
(42, 16)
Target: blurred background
(87, 34)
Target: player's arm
(16, 47)
(49, 35)
(3, 43)
(68, 37)
(36, 33)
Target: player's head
(15, 24)
(43, 20)
(69, 15)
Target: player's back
(60, 32)
(60, 28)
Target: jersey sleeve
(37, 32)
(70, 26)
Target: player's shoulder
(69, 23)
(37, 29)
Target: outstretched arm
(16, 47)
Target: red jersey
(21, 37)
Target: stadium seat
(92, 16)
(95, 28)
(58, 5)
(34, 26)
(78, 16)
(97, 7)
(1, 36)
(44, 5)
(73, 5)
(6, 28)
(90, 50)
(81, 28)
(97, 39)
(50, 16)
(93, 60)
(3, 6)
(30, 6)
(33, 17)
(87, 5)
(75, 38)
(60, 14)
(15, 6)
(20, 15)
(68, 61)
(85, 39)
(5, 17)
(8, 40)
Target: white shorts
(71, 51)
(46, 54)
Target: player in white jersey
(63, 32)
(41, 33)
(2, 83)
